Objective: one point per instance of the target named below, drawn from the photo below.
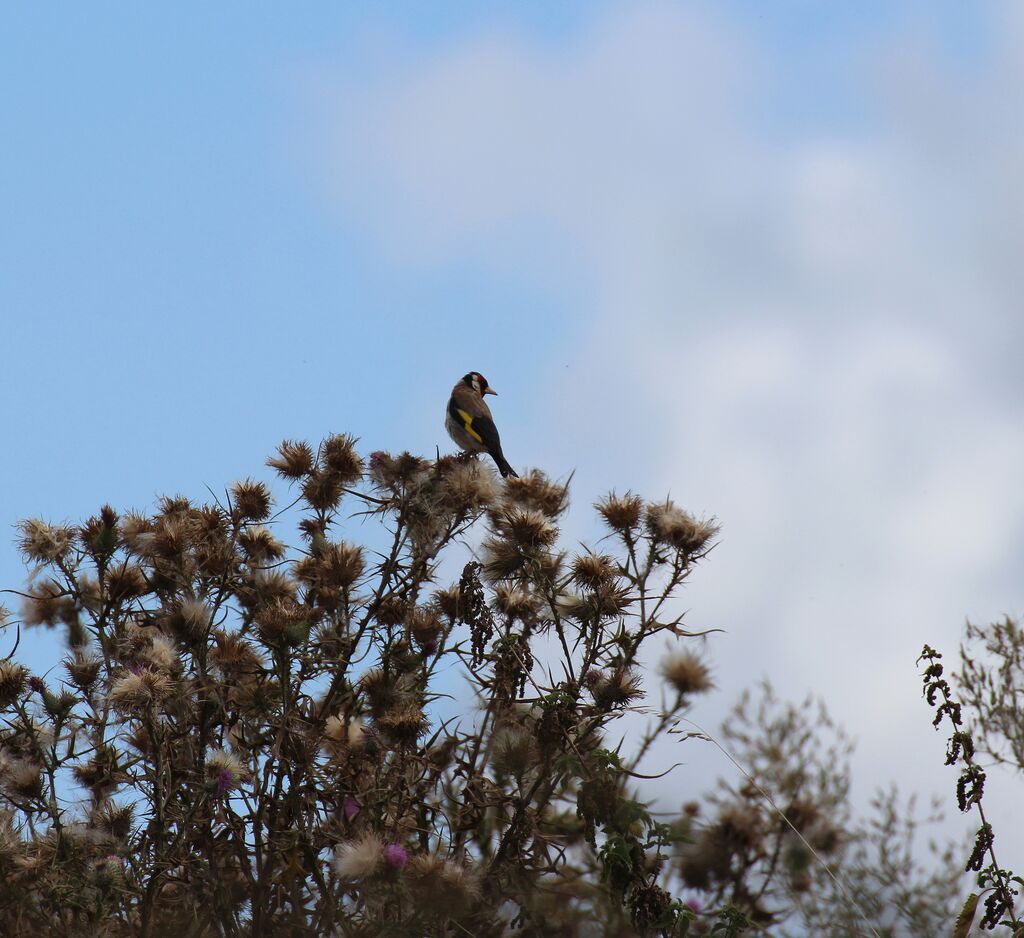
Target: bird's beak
(490, 391)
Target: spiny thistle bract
(342, 736)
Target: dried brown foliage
(251, 738)
(385, 710)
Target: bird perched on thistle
(469, 423)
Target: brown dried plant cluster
(263, 726)
(245, 738)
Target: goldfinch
(468, 420)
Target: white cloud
(496, 133)
(808, 330)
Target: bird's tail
(503, 467)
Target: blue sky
(762, 256)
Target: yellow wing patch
(467, 422)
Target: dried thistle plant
(246, 738)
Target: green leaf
(965, 919)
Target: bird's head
(478, 383)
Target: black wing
(481, 428)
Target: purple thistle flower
(225, 781)
(350, 807)
(693, 905)
(396, 856)
(110, 870)
(36, 684)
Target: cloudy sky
(764, 257)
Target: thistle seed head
(594, 570)
(125, 582)
(470, 486)
(534, 490)
(133, 692)
(686, 672)
(294, 459)
(341, 460)
(514, 751)
(517, 602)
(621, 513)
(13, 680)
(44, 543)
(359, 859)
(671, 526)
(260, 545)
(251, 500)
